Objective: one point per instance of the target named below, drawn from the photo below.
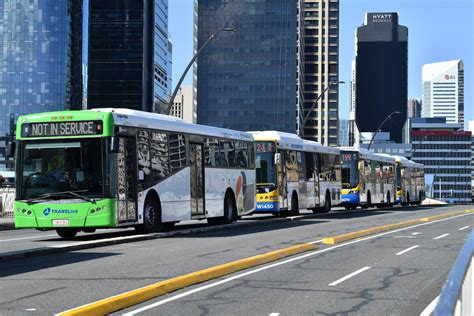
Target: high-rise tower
(321, 61)
(381, 74)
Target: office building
(129, 55)
(443, 90)
(343, 132)
(353, 132)
(321, 67)
(413, 108)
(251, 79)
(183, 105)
(471, 129)
(445, 150)
(381, 65)
(40, 60)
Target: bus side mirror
(277, 158)
(114, 145)
(11, 149)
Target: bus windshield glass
(265, 165)
(55, 167)
(350, 171)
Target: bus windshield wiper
(59, 194)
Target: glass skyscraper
(40, 59)
(129, 55)
(250, 79)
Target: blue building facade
(129, 55)
(40, 60)
(250, 79)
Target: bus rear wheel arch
(295, 209)
(230, 210)
(151, 214)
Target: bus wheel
(369, 201)
(295, 210)
(67, 233)
(327, 203)
(230, 211)
(151, 217)
(389, 203)
(408, 198)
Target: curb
(361, 233)
(140, 295)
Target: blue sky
(438, 30)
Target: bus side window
(159, 156)
(211, 152)
(242, 153)
(177, 148)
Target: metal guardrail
(457, 294)
(7, 197)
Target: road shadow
(20, 266)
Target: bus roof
(408, 163)
(134, 118)
(364, 153)
(292, 142)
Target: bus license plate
(60, 222)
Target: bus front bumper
(350, 199)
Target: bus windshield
(265, 166)
(53, 167)
(349, 170)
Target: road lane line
(430, 308)
(239, 276)
(120, 303)
(348, 276)
(315, 242)
(442, 236)
(406, 250)
(463, 228)
(414, 234)
(23, 238)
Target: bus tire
(151, 216)
(388, 202)
(408, 198)
(230, 211)
(327, 203)
(295, 209)
(67, 233)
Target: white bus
(294, 174)
(123, 168)
(410, 181)
(367, 179)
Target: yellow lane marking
(332, 240)
(140, 295)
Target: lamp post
(331, 83)
(380, 126)
(226, 29)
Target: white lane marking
(430, 308)
(463, 228)
(274, 314)
(31, 309)
(406, 250)
(414, 234)
(23, 238)
(241, 275)
(348, 276)
(439, 237)
(315, 242)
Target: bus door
(196, 161)
(127, 180)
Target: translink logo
(48, 211)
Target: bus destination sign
(53, 129)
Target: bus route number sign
(53, 129)
(264, 147)
(348, 157)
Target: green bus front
(64, 177)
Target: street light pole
(331, 83)
(226, 29)
(380, 126)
